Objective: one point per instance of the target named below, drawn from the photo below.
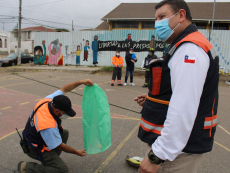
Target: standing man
(130, 59)
(44, 133)
(95, 49)
(150, 57)
(179, 114)
(117, 62)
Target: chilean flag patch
(188, 60)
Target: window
(200, 25)
(29, 35)
(219, 26)
(125, 24)
(5, 43)
(148, 24)
(0, 43)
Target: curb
(22, 69)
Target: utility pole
(213, 15)
(72, 26)
(19, 33)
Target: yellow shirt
(78, 52)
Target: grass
(107, 69)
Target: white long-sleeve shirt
(187, 82)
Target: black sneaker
(144, 86)
(112, 84)
(119, 84)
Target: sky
(86, 14)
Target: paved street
(18, 95)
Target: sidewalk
(39, 68)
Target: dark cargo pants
(51, 162)
(116, 73)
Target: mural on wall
(86, 50)
(138, 46)
(39, 54)
(54, 53)
(53, 58)
(78, 54)
(95, 49)
(220, 47)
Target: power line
(42, 4)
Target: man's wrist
(154, 159)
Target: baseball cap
(63, 103)
(130, 48)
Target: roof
(103, 26)
(37, 28)
(145, 11)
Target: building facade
(141, 16)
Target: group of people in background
(130, 60)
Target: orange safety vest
(116, 61)
(41, 120)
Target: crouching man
(44, 133)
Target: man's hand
(119, 65)
(43, 42)
(60, 44)
(141, 99)
(81, 153)
(87, 82)
(148, 167)
(133, 61)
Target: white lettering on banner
(160, 45)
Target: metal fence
(70, 40)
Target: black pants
(51, 162)
(147, 77)
(116, 73)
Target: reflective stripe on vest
(157, 100)
(210, 122)
(150, 127)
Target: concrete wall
(24, 45)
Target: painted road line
(111, 156)
(81, 88)
(99, 83)
(105, 82)
(73, 90)
(224, 129)
(6, 108)
(222, 146)
(24, 103)
(37, 99)
(10, 134)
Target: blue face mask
(163, 30)
(131, 52)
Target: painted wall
(70, 40)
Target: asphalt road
(18, 96)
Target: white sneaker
(125, 84)
(132, 84)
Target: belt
(157, 100)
